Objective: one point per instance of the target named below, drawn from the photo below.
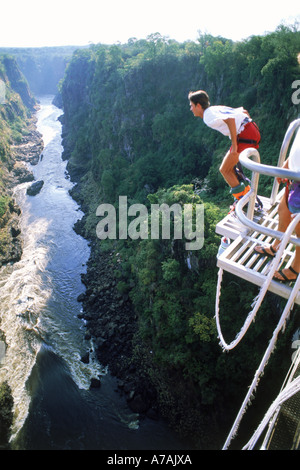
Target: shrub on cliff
(6, 413)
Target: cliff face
(19, 141)
(128, 131)
(43, 67)
(17, 82)
(16, 125)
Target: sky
(39, 23)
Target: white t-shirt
(214, 117)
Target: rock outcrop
(11, 242)
(35, 188)
(111, 321)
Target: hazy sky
(32, 23)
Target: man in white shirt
(234, 123)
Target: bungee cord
(288, 391)
(259, 299)
(250, 318)
(268, 352)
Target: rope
(259, 299)
(287, 392)
(250, 318)
(264, 361)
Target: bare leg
(227, 168)
(283, 223)
(295, 264)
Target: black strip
(247, 141)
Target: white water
(53, 406)
(38, 294)
(21, 302)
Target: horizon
(83, 45)
(68, 24)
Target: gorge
(58, 400)
(147, 306)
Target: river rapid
(54, 406)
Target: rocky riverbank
(26, 152)
(112, 323)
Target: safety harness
(242, 189)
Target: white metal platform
(240, 258)
(230, 227)
(247, 229)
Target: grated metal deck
(240, 257)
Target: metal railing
(277, 172)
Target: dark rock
(111, 322)
(121, 384)
(35, 188)
(95, 383)
(14, 208)
(86, 358)
(81, 297)
(99, 342)
(11, 246)
(128, 387)
(15, 231)
(152, 414)
(138, 405)
(21, 173)
(31, 146)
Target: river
(54, 407)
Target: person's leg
(284, 221)
(296, 262)
(227, 168)
(291, 274)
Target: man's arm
(232, 129)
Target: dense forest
(128, 132)
(17, 108)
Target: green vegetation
(43, 67)
(127, 111)
(14, 120)
(15, 111)
(129, 131)
(16, 108)
(4, 202)
(6, 413)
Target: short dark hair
(200, 97)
